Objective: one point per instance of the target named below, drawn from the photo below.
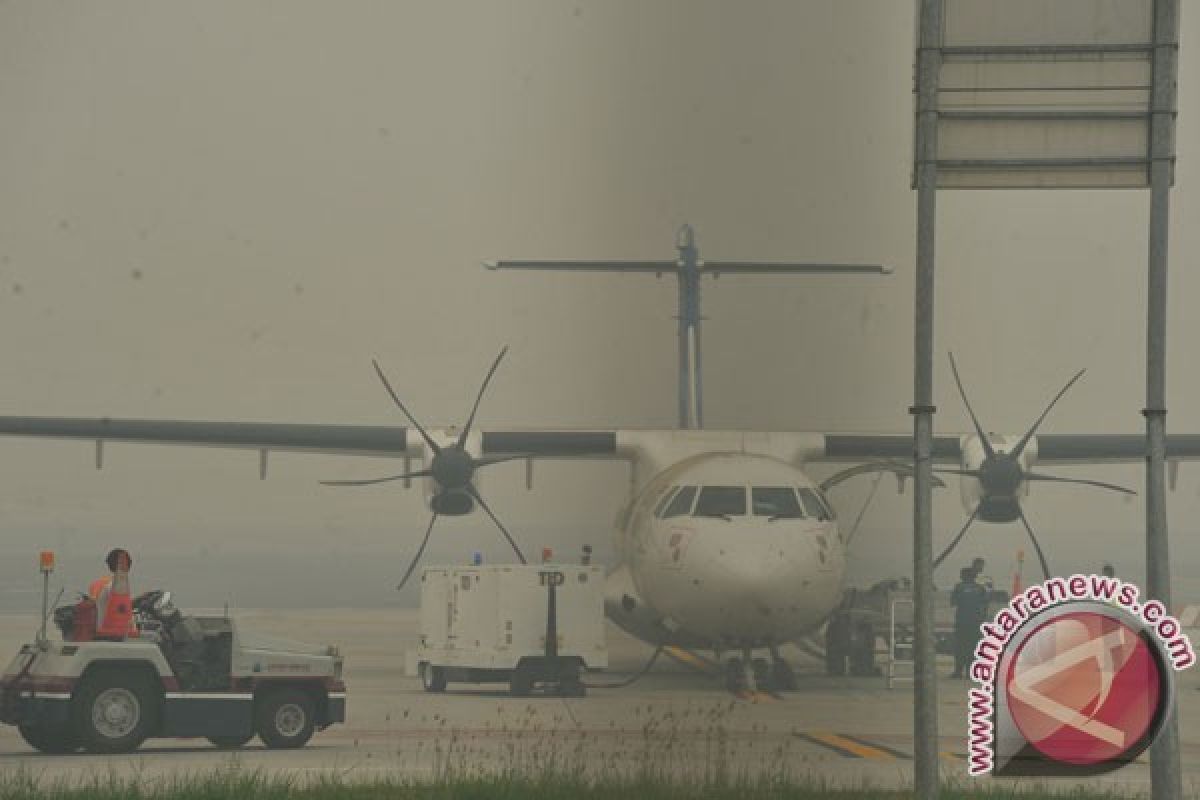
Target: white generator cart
(531, 626)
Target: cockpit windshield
(813, 506)
(776, 502)
(666, 498)
(682, 503)
(721, 501)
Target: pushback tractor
(178, 676)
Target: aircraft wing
(383, 440)
(1052, 448)
(369, 440)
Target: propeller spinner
(452, 468)
(1001, 475)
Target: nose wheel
(739, 677)
(745, 674)
(748, 674)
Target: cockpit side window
(721, 501)
(812, 505)
(776, 502)
(666, 498)
(682, 503)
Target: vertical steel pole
(925, 727)
(1166, 780)
(689, 328)
(45, 604)
(685, 380)
(697, 383)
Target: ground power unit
(535, 627)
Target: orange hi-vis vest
(114, 604)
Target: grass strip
(237, 784)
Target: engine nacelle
(453, 504)
(1001, 487)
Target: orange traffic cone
(1016, 583)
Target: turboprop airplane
(725, 541)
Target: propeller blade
(428, 439)
(420, 552)
(419, 474)
(1036, 546)
(953, 544)
(471, 490)
(462, 439)
(1035, 476)
(1016, 451)
(987, 446)
(487, 461)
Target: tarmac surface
(846, 731)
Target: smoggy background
(224, 210)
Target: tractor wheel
(114, 711)
(230, 742)
(285, 719)
(51, 739)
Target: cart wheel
(52, 739)
(762, 673)
(114, 711)
(521, 683)
(735, 676)
(284, 719)
(230, 742)
(433, 678)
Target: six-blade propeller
(1001, 474)
(452, 467)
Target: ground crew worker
(970, 607)
(977, 566)
(101, 590)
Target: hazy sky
(223, 210)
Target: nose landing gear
(749, 674)
(782, 676)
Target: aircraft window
(682, 503)
(721, 501)
(666, 498)
(776, 502)
(812, 505)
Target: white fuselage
(752, 557)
